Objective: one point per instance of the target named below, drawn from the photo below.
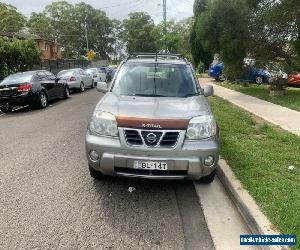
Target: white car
(77, 79)
(96, 74)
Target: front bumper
(185, 161)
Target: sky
(119, 9)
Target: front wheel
(222, 77)
(259, 80)
(209, 178)
(82, 87)
(42, 100)
(66, 93)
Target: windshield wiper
(148, 95)
(189, 95)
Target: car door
(48, 84)
(58, 85)
(85, 78)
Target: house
(49, 50)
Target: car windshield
(17, 78)
(66, 73)
(155, 79)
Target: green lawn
(290, 100)
(260, 154)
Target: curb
(257, 222)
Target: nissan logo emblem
(151, 137)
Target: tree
(221, 27)
(177, 38)
(11, 20)
(199, 52)
(41, 25)
(78, 27)
(138, 33)
(17, 55)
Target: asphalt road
(49, 201)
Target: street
(49, 201)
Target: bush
(201, 68)
(17, 55)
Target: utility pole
(165, 22)
(86, 35)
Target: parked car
(77, 79)
(154, 122)
(294, 79)
(107, 71)
(31, 88)
(113, 69)
(216, 71)
(96, 74)
(249, 74)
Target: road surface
(49, 201)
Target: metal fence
(55, 66)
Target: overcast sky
(177, 9)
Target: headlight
(104, 123)
(201, 127)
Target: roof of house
(26, 36)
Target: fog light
(209, 160)
(94, 155)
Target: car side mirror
(102, 87)
(208, 90)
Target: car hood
(154, 107)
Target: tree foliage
(266, 30)
(17, 55)
(11, 20)
(138, 33)
(67, 24)
(177, 38)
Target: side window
(41, 76)
(49, 75)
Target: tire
(66, 92)
(95, 174)
(6, 109)
(222, 77)
(209, 178)
(42, 100)
(259, 80)
(82, 89)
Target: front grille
(151, 172)
(133, 137)
(169, 139)
(151, 138)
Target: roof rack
(155, 56)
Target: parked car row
(37, 88)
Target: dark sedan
(33, 88)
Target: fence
(55, 66)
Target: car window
(49, 75)
(17, 78)
(66, 73)
(41, 76)
(149, 79)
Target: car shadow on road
(166, 214)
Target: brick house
(49, 50)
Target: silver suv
(153, 122)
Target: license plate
(150, 165)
